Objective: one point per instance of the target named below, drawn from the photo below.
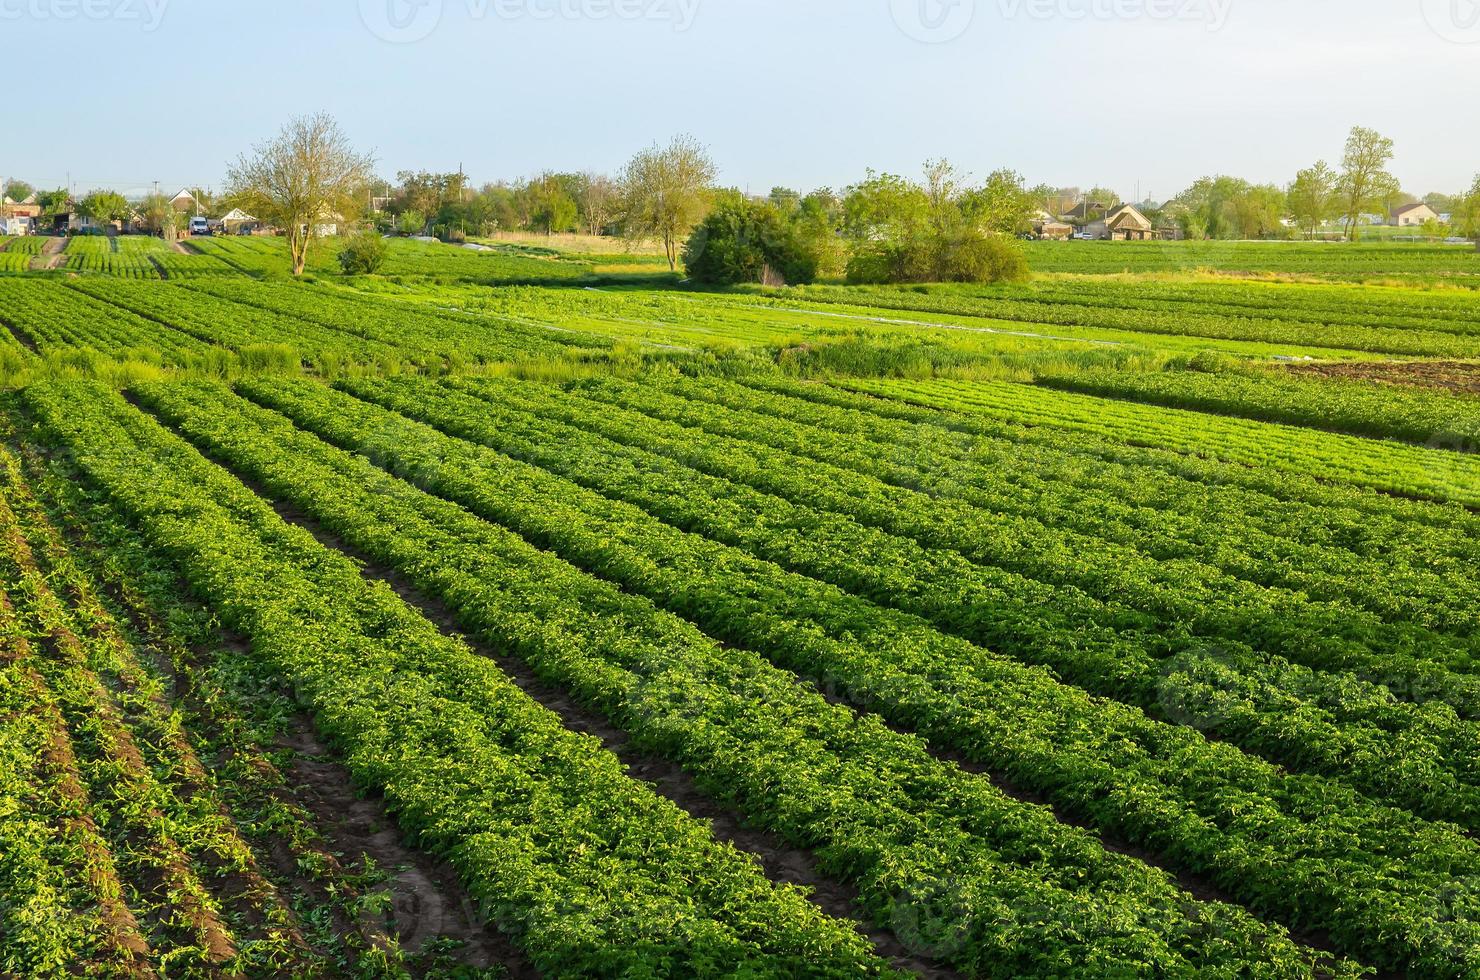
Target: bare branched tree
(308, 175)
(666, 191)
(599, 199)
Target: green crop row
(594, 873)
(1023, 893)
(1160, 786)
(57, 319)
(1428, 418)
(1433, 474)
(1330, 259)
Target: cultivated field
(525, 612)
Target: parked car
(200, 226)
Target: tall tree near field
(1466, 219)
(1365, 182)
(666, 191)
(1312, 199)
(598, 198)
(103, 206)
(160, 217)
(18, 190)
(307, 175)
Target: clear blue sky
(802, 92)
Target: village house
(1413, 215)
(1045, 227)
(19, 217)
(1129, 225)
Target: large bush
(965, 256)
(363, 254)
(742, 241)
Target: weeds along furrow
(234, 713)
(593, 872)
(1270, 839)
(1064, 530)
(925, 842)
(183, 791)
(62, 905)
(144, 822)
(1409, 471)
(1399, 570)
(950, 559)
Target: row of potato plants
(177, 851)
(1285, 503)
(1160, 514)
(1420, 758)
(453, 337)
(57, 319)
(1414, 471)
(954, 550)
(239, 718)
(238, 326)
(1319, 305)
(1175, 320)
(960, 870)
(594, 873)
(61, 900)
(1381, 260)
(1428, 418)
(1258, 305)
(1267, 838)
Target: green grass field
(1122, 622)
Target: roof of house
(1128, 214)
(1084, 208)
(1399, 212)
(237, 214)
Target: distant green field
(1334, 260)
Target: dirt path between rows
(1457, 377)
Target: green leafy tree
(18, 190)
(941, 230)
(1466, 212)
(1365, 183)
(1001, 205)
(554, 208)
(1312, 198)
(104, 206)
(666, 192)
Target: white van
(200, 226)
